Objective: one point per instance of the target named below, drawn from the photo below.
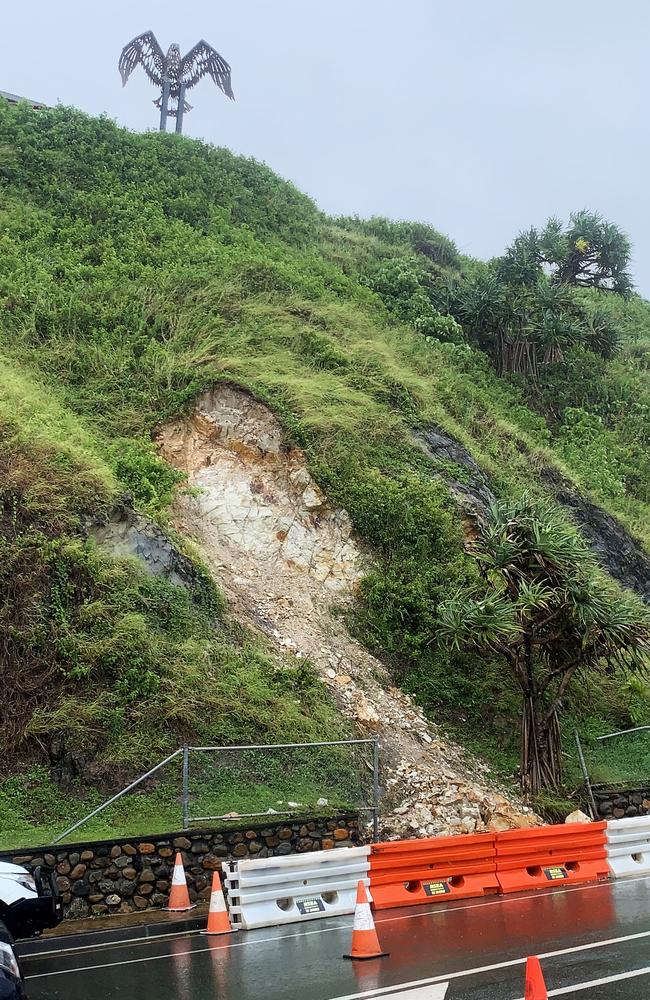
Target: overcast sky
(481, 117)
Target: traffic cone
(535, 986)
(365, 943)
(218, 922)
(179, 897)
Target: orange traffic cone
(218, 922)
(535, 986)
(365, 943)
(179, 897)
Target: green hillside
(136, 270)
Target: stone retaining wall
(616, 805)
(121, 876)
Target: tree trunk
(541, 748)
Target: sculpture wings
(173, 74)
(143, 50)
(203, 60)
(200, 61)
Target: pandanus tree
(588, 253)
(553, 616)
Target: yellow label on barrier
(554, 874)
(435, 888)
(314, 904)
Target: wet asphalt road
(469, 950)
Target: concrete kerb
(79, 935)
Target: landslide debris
(286, 558)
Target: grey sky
(481, 117)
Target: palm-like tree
(551, 613)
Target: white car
(28, 904)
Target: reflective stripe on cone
(365, 943)
(218, 922)
(179, 897)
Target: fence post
(585, 775)
(186, 787)
(375, 790)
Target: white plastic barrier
(628, 846)
(268, 891)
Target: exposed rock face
(473, 491)
(615, 548)
(282, 553)
(126, 533)
(256, 494)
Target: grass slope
(138, 269)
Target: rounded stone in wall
(211, 863)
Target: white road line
(388, 991)
(577, 987)
(437, 992)
(379, 919)
(369, 993)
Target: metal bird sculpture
(174, 74)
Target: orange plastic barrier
(545, 855)
(412, 872)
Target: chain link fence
(227, 783)
(232, 783)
